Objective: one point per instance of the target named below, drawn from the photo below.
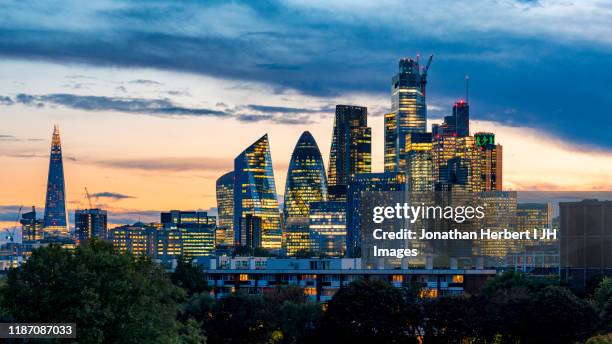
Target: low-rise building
(322, 278)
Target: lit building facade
(225, 209)
(55, 219)
(31, 227)
(351, 148)
(408, 111)
(255, 194)
(320, 279)
(196, 230)
(90, 223)
(138, 239)
(419, 159)
(327, 226)
(490, 160)
(386, 181)
(306, 183)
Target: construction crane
(424, 74)
(11, 233)
(88, 198)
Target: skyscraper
(55, 220)
(306, 183)
(225, 209)
(457, 124)
(327, 224)
(255, 194)
(90, 223)
(408, 111)
(351, 148)
(387, 181)
(490, 160)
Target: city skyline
(133, 131)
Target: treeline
(116, 298)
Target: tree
(113, 298)
(189, 277)
(450, 319)
(366, 311)
(239, 319)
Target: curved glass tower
(256, 214)
(55, 220)
(306, 183)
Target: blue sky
(157, 97)
(545, 64)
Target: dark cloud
(6, 100)
(551, 68)
(156, 107)
(167, 108)
(112, 195)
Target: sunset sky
(154, 99)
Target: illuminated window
(397, 278)
(244, 277)
(458, 279)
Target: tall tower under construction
(408, 111)
(56, 221)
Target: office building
(31, 227)
(197, 231)
(327, 228)
(386, 181)
(306, 183)
(351, 148)
(457, 124)
(225, 209)
(89, 224)
(55, 219)
(255, 194)
(535, 215)
(138, 239)
(586, 241)
(408, 111)
(490, 161)
(419, 157)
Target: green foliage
(240, 319)
(601, 339)
(189, 277)
(366, 311)
(113, 298)
(603, 293)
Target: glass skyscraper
(255, 194)
(306, 183)
(327, 224)
(55, 220)
(408, 111)
(351, 148)
(225, 209)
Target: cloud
(145, 82)
(335, 48)
(155, 107)
(6, 100)
(167, 108)
(112, 195)
(169, 164)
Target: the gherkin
(306, 183)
